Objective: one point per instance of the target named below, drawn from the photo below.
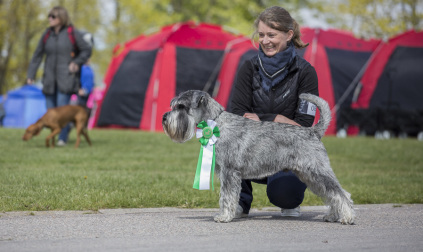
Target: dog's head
(31, 131)
(188, 109)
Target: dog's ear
(37, 131)
(172, 102)
(201, 101)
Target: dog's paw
(347, 221)
(222, 218)
(330, 218)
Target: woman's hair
(62, 15)
(279, 19)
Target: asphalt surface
(385, 227)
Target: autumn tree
(17, 32)
(372, 18)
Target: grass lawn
(134, 169)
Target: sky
(310, 21)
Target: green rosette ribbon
(207, 133)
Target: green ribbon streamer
(196, 184)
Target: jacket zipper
(55, 61)
(272, 99)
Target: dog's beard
(179, 126)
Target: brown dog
(56, 119)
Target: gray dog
(248, 149)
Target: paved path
(378, 228)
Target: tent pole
(219, 64)
(314, 47)
(154, 106)
(356, 79)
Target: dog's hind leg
(325, 185)
(341, 208)
(78, 138)
(85, 134)
(79, 126)
(230, 189)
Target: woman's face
(272, 41)
(53, 20)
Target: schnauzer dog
(248, 149)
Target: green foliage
(134, 169)
(372, 18)
(19, 27)
(116, 21)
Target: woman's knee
(286, 191)
(287, 199)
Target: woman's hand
(81, 92)
(29, 81)
(73, 68)
(252, 116)
(283, 119)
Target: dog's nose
(165, 117)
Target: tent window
(124, 101)
(194, 67)
(344, 66)
(399, 85)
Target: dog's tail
(325, 113)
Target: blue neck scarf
(274, 69)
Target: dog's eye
(180, 106)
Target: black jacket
(249, 96)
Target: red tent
(236, 53)
(338, 58)
(390, 95)
(150, 70)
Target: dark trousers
(284, 190)
(56, 100)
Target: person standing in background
(65, 51)
(87, 84)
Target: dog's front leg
(230, 189)
(52, 135)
